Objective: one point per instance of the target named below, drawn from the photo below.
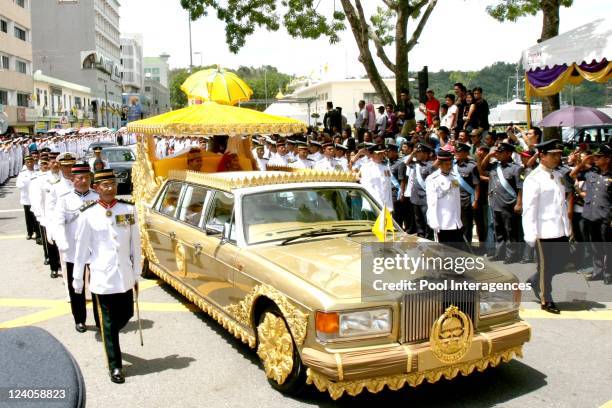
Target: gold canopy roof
(210, 118)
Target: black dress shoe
(607, 281)
(510, 261)
(53, 274)
(550, 307)
(46, 261)
(38, 241)
(525, 261)
(29, 237)
(494, 258)
(116, 376)
(593, 277)
(80, 327)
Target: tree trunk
(401, 52)
(360, 31)
(550, 29)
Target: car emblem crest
(451, 335)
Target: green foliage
(494, 81)
(256, 78)
(383, 23)
(241, 17)
(512, 10)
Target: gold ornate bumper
(395, 382)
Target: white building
(132, 69)
(60, 104)
(345, 93)
(158, 68)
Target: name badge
(124, 219)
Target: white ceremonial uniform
(302, 164)
(111, 246)
(278, 160)
(376, 179)
(315, 156)
(361, 162)
(24, 179)
(328, 164)
(262, 164)
(37, 196)
(59, 186)
(544, 206)
(65, 217)
(443, 202)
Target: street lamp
(190, 50)
(106, 99)
(200, 54)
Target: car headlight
(360, 323)
(499, 301)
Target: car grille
(422, 309)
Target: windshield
(114, 156)
(279, 215)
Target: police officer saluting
(465, 171)
(505, 200)
(420, 170)
(545, 220)
(67, 212)
(108, 239)
(598, 209)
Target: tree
(512, 10)
(302, 19)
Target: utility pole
(266, 85)
(190, 51)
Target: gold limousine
(275, 257)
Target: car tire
(146, 271)
(278, 353)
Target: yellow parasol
(210, 118)
(217, 85)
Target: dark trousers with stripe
(54, 257)
(467, 219)
(30, 219)
(114, 310)
(507, 229)
(77, 300)
(601, 236)
(42, 233)
(550, 260)
(420, 218)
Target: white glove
(530, 243)
(78, 284)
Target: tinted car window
(192, 205)
(170, 200)
(220, 212)
(113, 156)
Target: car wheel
(278, 353)
(146, 271)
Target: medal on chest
(109, 213)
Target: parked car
(275, 257)
(593, 136)
(120, 160)
(89, 152)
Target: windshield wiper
(316, 233)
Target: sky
(459, 35)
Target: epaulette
(310, 159)
(54, 181)
(86, 205)
(129, 202)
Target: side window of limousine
(169, 202)
(220, 214)
(193, 204)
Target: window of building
(147, 89)
(20, 33)
(4, 26)
(21, 66)
(38, 95)
(3, 97)
(156, 79)
(21, 3)
(4, 63)
(155, 71)
(22, 100)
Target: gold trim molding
(262, 178)
(395, 382)
(230, 325)
(296, 319)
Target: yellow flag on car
(383, 223)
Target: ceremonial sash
(464, 185)
(504, 182)
(419, 176)
(396, 184)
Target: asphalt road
(188, 360)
